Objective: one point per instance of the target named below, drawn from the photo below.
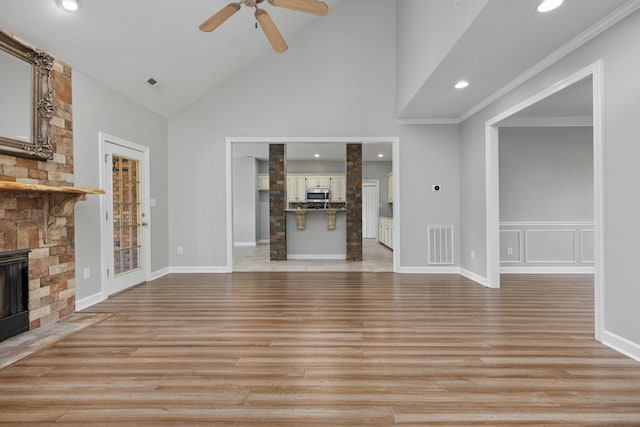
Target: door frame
(397, 176)
(492, 183)
(104, 236)
(372, 183)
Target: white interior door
(370, 209)
(126, 217)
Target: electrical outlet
(472, 254)
(86, 273)
(180, 251)
(509, 251)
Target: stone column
(277, 202)
(354, 202)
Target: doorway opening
(594, 71)
(376, 256)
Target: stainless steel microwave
(318, 194)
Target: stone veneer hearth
(354, 202)
(51, 263)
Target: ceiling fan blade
(219, 17)
(314, 7)
(271, 31)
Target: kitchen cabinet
(318, 182)
(338, 188)
(263, 181)
(390, 187)
(385, 231)
(296, 188)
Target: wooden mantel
(58, 201)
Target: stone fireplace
(39, 220)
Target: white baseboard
(245, 244)
(475, 277)
(264, 242)
(429, 270)
(87, 302)
(200, 269)
(621, 345)
(159, 273)
(547, 270)
(310, 257)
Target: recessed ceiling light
(461, 84)
(549, 5)
(380, 155)
(68, 5)
(316, 155)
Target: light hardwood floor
(333, 349)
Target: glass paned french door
(127, 217)
(126, 234)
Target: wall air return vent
(440, 244)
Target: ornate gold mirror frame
(39, 145)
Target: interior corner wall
(617, 48)
(97, 108)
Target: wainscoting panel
(546, 245)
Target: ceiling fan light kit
(314, 7)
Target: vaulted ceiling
(122, 43)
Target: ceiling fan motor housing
(252, 3)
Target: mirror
(26, 103)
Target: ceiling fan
(314, 7)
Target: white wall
(429, 29)
(97, 108)
(618, 49)
(546, 174)
(336, 80)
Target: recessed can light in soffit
(316, 155)
(549, 5)
(461, 84)
(68, 5)
(381, 155)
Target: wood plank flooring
(333, 349)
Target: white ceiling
(506, 39)
(121, 43)
(328, 151)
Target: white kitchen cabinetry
(296, 190)
(385, 231)
(263, 181)
(338, 188)
(390, 187)
(318, 181)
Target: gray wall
(617, 48)
(379, 171)
(97, 108)
(244, 200)
(299, 166)
(357, 101)
(546, 174)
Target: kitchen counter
(315, 235)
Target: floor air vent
(440, 244)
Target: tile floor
(376, 258)
(23, 345)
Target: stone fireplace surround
(22, 213)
